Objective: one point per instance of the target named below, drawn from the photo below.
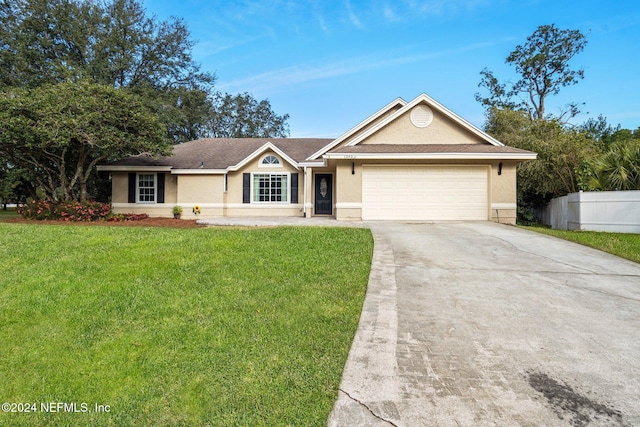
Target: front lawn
(185, 327)
(620, 244)
(7, 214)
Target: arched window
(270, 160)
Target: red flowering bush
(73, 211)
(66, 211)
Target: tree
(561, 154)
(242, 116)
(112, 43)
(542, 64)
(11, 180)
(60, 132)
(600, 131)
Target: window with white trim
(270, 160)
(146, 188)
(271, 187)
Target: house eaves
(428, 156)
(429, 151)
(198, 171)
(398, 102)
(113, 168)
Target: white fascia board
(396, 102)
(436, 105)
(456, 118)
(427, 156)
(316, 164)
(198, 171)
(107, 168)
(262, 149)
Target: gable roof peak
(432, 103)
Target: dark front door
(324, 196)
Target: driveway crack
(364, 405)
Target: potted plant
(177, 211)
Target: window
(270, 160)
(146, 188)
(270, 187)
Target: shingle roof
(221, 153)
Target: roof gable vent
(421, 116)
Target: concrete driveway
(481, 324)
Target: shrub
(66, 211)
(74, 211)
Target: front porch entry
(323, 194)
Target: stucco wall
(170, 189)
(370, 125)
(503, 207)
(232, 199)
(348, 190)
(120, 197)
(207, 191)
(441, 131)
(119, 187)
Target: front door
(324, 198)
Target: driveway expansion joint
(364, 405)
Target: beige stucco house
(408, 161)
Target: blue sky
(331, 64)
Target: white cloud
(353, 18)
(299, 74)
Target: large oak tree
(60, 132)
(95, 45)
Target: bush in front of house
(66, 211)
(73, 211)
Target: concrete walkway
(481, 324)
(316, 221)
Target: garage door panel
(424, 193)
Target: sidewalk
(316, 221)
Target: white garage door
(429, 193)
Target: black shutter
(132, 187)
(246, 188)
(294, 188)
(160, 188)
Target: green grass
(187, 327)
(621, 244)
(9, 213)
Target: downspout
(304, 195)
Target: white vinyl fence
(617, 211)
